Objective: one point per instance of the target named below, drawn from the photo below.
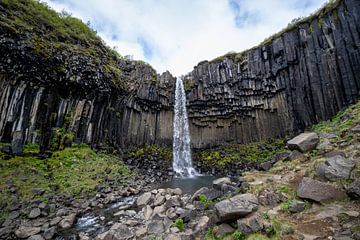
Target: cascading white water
(182, 163)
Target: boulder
(222, 230)
(296, 206)
(296, 155)
(36, 237)
(17, 142)
(34, 213)
(155, 227)
(144, 199)
(117, 232)
(68, 221)
(304, 142)
(49, 233)
(236, 207)
(25, 232)
(319, 191)
(335, 167)
(210, 194)
(354, 189)
(250, 224)
(217, 183)
(147, 211)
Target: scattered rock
(34, 213)
(354, 189)
(36, 237)
(38, 191)
(143, 199)
(250, 224)
(25, 232)
(236, 207)
(210, 194)
(159, 200)
(217, 183)
(67, 221)
(147, 211)
(319, 191)
(222, 230)
(304, 142)
(49, 233)
(335, 167)
(297, 206)
(117, 232)
(155, 227)
(296, 155)
(55, 221)
(265, 165)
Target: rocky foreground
(311, 192)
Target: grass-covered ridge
(328, 7)
(74, 171)
(49, 34)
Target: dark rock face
(305, 75)
(301, 77)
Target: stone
(55, 221)
(304, 142)
(172, 202)
(144, 199)
(38, 191)
(141, 231)
(265, 165)
(117, 232)
(354, 189)
(177, 191)
(210, 194)
(155, 227)
(296, 155)
(334, 168)
(61, 212)
(356, 129)
(17, 142)
(236, 207)
(202, 224)
(49, 233)
(147, 211)
(159, 200)
(34, 213)
(250, 224)
(222, 230)
(217, 183)
(319, 191)
(25, 232)
(296, 206)
(36, 237)
(68, 221)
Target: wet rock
(34, 213)
(236, 207)
(319, 191)
(354, 189)
(68, 221)
(336, 167)
(217, 183)
(304, 142)
(144, 199)
(25, 232)
(250, 224)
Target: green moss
(179, 224)
(73, 171)
(237, 154)
(148, 151)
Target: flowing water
(182, 163)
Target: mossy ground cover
(151, 151)
(74, 171)
(237, 155)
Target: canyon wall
(300, 77)
(305, 75)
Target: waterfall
(182, 163)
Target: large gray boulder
(25, 232)
(354, 189)
(304, 142)
(334, 168)
(236, 207)
(144, 199)
(319, 191)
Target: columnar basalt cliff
(51, 83)
(305, 75)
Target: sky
(175, 35)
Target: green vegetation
(205, 201)
(341, 122)
(245, 153)
(74, 171)
(179, 223)
(148, 151)
(49, 33)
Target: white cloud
(175, 35)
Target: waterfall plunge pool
(189, 185)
